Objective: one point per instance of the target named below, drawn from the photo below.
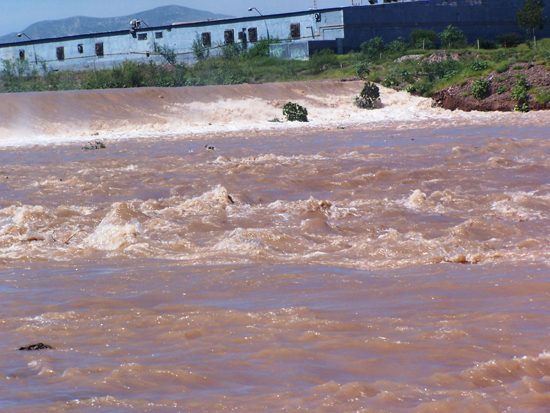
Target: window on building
(229, 36)
(60, 51)
(253, 34)
(80, 48)
(242, 36)
(142, 36)
(158, 35)
(99, 49)
(21, 55)
(206, 40)
(295, 30)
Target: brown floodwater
(393, 260)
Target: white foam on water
(79, 116)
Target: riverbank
(500, 90)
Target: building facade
(300, 33)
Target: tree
(423, 39)
(373, 48)
(200, 51)
(168, 53)
(452, 36)
(531, 17)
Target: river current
(393, 260)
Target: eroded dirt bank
(459, 96)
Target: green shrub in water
(294, 112)
(368, 96)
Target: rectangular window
(229, 36)
(99, 49)
(253, 34)
(60, 51)
(80, 48)
(21, 55)
(142, 36)
(295, 30)
(158, 35)
(206, 40)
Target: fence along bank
(300, 33)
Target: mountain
(82, 25)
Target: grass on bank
(421, 75)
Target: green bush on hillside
(390, 82)
(487, 44)
(543, 95)
(261, 48)
(231, 51)
(373, 48)
(520, 93)
(362, 69)
(480, 89)
(322, 60)
(423, 39)
(509, 40)
(445, 69)
(398, 46)
(200, 51)
(452, 37)
(478, 65)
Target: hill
(82, 25)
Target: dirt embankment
(459, 96)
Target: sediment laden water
(360, 264)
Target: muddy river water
(204, 260)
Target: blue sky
(16, 15)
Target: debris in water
(36, 346)
(33, 236)
(93, 146)
(71, 237)
(209, 147)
